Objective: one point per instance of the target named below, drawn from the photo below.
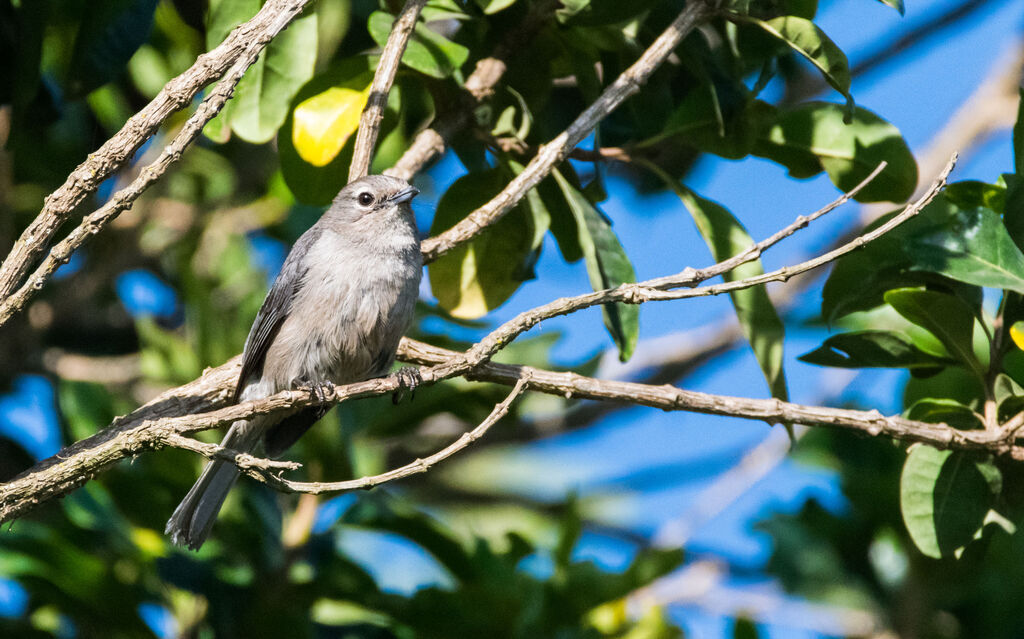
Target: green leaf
(726, 237)
(570, 8)
(972, 246)
(481, 274)
(700, 122)
(1009, 396)
(607, 265)
(444, 10)
(945, 316)
(945, 496)
(744, 628)
(600, 12)
(494, 6)
(262, 98)
(804, 37)
(428, 52)
(801, 8)
(872, 349)
(563, 222)
(943, 410)
(895, 4)
(859, 280)
(815, 133)
(969, 194)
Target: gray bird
(334, 315)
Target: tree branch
(550, 154)
(383, 78)
(123, 199)
(115, 152)
(431, 142)
(262, 470)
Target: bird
(334, 315)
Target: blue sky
(655, 464)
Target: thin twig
(244, 461)
(123, 199)
(756, 250)
(432, 142)
(550, 154)
(119, 149)
(383, 78)
(664, 288)
(418, 466)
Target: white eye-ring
(365, 198)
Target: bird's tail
(193, 519)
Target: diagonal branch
(550, 154)
(123, 199)
(115, 152)
(383, 78)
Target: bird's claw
(408, 379)
(319, 390)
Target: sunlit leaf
(946, 316)
(859, 280)
(428, 52)
(943, 410)
(944, 496)
(323, 123)
(494, 6)
(815, 132)
(317, 185)
(895, 4)
(1017, 334)
(261, 99)
(481, 274)
(804, 37)
(972, 246)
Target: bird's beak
(405, 195)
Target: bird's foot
(408, 379)
(320, 390)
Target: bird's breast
(348, 315)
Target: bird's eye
(366, 198)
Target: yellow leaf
(472, 303)
(324, 122)
(1017, 334)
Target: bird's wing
(274, 310)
